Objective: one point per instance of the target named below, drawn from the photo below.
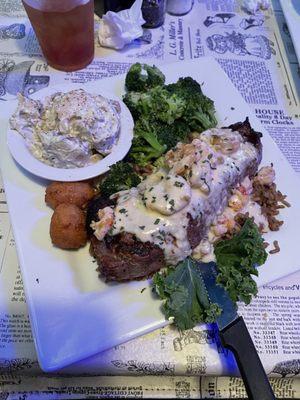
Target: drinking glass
(65, 31)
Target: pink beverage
(65, 31)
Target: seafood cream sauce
(194, 182)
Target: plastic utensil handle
(237, 338)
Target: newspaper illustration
(241, 44)
(14, 31)
(17, 78)
(251, 51)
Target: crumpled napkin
(118, 29)
(254, 5)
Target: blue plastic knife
(234, 335)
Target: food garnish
(182, 290)
(237, 259)
(184, 296)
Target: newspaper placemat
(262, 66)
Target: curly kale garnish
(237, 259)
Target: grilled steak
(161, 221)
(123, 257)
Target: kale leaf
(182, 289)
(237, 259)
(184, 294)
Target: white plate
(74, 314)
(22, 155)
(291, 10)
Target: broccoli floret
(121, 176)
(170, 135)
(141, 77)
(185, 88)
(139, 104)
(165, 106)
(199, 113)
(158, 102)
(145, 146)
(160, 162)
(142, 153)
(132, 101)
(152, 138)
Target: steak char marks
(124, 257)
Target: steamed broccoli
(158, 102)
(152, 138)
(145, 145)
(170, 135)
(141, 77)
(121, 176)
(132, 101)
(166, 107)
(199, 113)
(164, 114)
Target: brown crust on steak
(123, 257)
(249, 134)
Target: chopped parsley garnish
(142, 227)
(178, 184)
(123, 210)
(156, 222)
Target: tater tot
(67, 228)
(78, 193)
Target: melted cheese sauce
(197, 181)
